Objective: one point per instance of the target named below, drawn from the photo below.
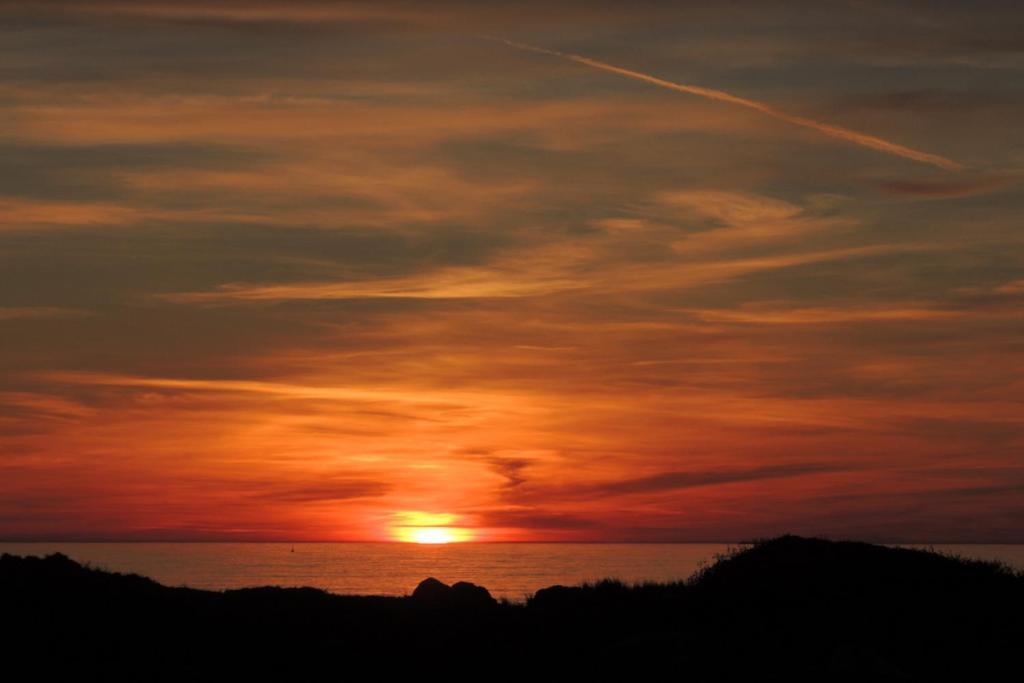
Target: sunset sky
(690, 271)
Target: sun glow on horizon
(437, 535)
(429, 529)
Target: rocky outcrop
(462, 595)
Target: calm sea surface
(510, 570)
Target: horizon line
(538, 542)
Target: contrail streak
(862, 139)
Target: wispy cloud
(529, 280)
(600, 261)
(450, 283)
(321, 491)
(770, 315)
(966, 187)
(1013, 287)
(41, 312)
(276, 389)
(831, 130)
(673, 481)
(667, 482)
(269, 12)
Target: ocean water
(508, 570)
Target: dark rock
(432, 591)
(465, 594)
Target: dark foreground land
(788, 607)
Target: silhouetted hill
(793, 607)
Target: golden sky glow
(354, 271)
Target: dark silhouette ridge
(794, 607)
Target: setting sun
(434, 535)
(428, 528)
